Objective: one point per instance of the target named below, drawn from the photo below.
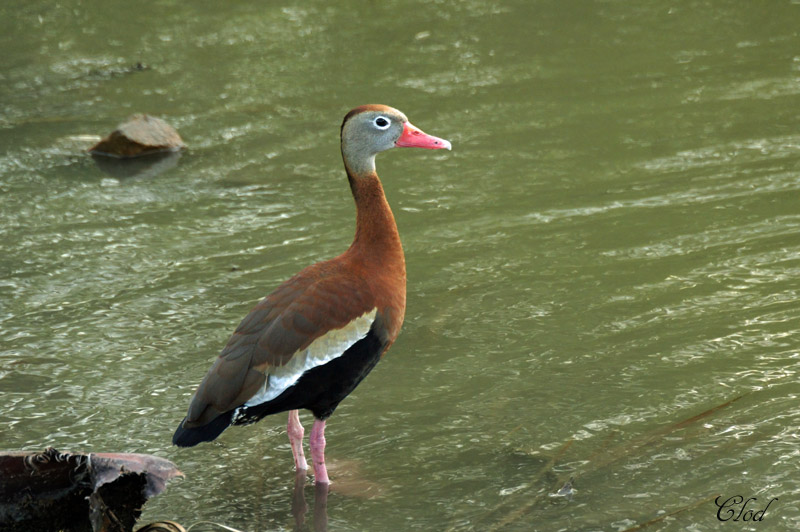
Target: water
(611, 248)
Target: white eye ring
(382, 123)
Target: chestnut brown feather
(321, 298)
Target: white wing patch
(321, 351)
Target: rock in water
(140, 135)
(78, 492)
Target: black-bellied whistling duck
(310, 342)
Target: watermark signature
(736, 508)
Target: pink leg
(317, 444)
(296, 432)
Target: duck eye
(382, 122)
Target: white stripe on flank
(321, 351)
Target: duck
(309, 343)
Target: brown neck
(376, 236)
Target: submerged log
(140, 135)
(97, 492)
(163, 526)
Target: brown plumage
(312, 340)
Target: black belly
(322, 388)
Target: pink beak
(413, 137)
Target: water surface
(612, 247)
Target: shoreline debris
(77, 492)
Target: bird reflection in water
(300, 508)
(352, 483)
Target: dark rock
(53, 491)
(140, 135)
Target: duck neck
(376, 237)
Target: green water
(612, 247)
